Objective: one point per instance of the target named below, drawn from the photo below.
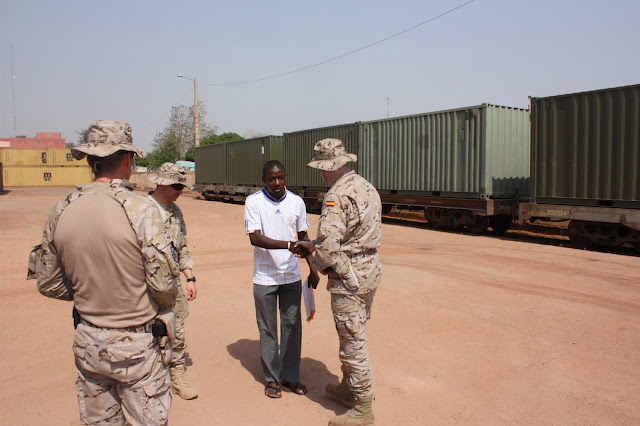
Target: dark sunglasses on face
(177, 186)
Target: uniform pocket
(34, 258)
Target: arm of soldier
(331, 232)
(160, 259)
(45, 266)
(192, 290)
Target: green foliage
(215, 139)
(190, 155)
(167, 152)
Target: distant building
(43, 140)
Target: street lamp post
(196, 127)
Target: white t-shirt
(279, 220)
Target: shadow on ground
(314, 374)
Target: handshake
(301, 249)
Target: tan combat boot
(179, 384)
(341, 392)
(360, 414)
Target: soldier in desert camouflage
(171, 180)
(105, 248)
(346, 249)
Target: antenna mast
(13, 91)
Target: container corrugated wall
(479, 151)
(45, 175)
(211, 164)
(23, 157)
(245, 159)
(298, 151)
(63, 157)
(586, 148)
(39, 157)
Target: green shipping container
(245, 159)
(211, 167)
(474, 152)
(585, 148)
(298, 151)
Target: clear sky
(80, 61)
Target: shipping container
(585, 148)
(23, 157)
(298, 151)
(475, 152)
(211, 168)
(63, 157)
(39, 157)
(245, 159)
(45, 175)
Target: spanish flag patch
(330, 203)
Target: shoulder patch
(330, 203)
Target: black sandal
(270, 388)
(297, 388)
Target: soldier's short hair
(102, 165)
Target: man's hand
(314, 279)
(192, 291)
(303, 249)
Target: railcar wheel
(480, 225)
(578, 236)
(500, 224)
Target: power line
(344, 54)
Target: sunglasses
(177, 186)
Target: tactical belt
(144, 328)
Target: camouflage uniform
(348, 237)
(172, 174)
(121, 376)
(174, 222)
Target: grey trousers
(281, 363)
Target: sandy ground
(465, 330)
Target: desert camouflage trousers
(121, 378)
(181, 310)
(350, 314)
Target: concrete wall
(142, 179)
(43, 140)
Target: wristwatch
(191, 280)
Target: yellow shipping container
(23, 157)
(63, 157)
(38, 157)
(45, 175)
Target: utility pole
(387, 107)
(196, 126)
(13, 92)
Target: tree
(225, 137)
(167, 152)
(82, 138)
(179, 130)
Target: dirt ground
(465, 330)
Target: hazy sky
(80, 61)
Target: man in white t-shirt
(274, 219)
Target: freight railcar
(464, 167)
(585, 161)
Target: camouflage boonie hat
(330, 155)
(170, 174)
(106, 137)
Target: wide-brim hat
(171, 174)
(107, 137)
(330, 155)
